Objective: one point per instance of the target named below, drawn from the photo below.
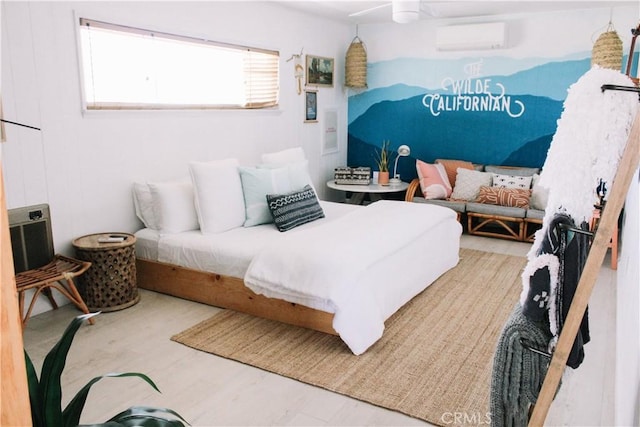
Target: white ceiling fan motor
(404, 12)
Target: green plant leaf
(73, 411)
(382, 157)
(50, 389)
(34, 395)
(144, 416)
(45, 395)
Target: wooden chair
(58, 274)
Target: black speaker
(31, 237)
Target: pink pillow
(451, 166)
(434, 182)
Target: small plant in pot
(45, 394)
(382, 160)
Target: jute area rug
(434, 360)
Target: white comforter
(340, 266)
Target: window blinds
(132, 68)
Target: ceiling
(380, 11)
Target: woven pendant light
(607, 50)
(355, 74)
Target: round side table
(110, 283)
(374, 191)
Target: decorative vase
(383, 178)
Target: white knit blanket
(588, 144)
(592, 133)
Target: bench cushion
(496, 210)
(535, 214)
(456, 206)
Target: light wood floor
(212, 391)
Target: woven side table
(110, 283)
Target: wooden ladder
(619, 189)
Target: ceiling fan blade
(367, 11)
(429, 10)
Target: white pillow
(218, 195)
(143, 203)
(512, 181)
(256, 184)
(173, 206)
(279, 158)
(468, 183)
(298, 174)
(539, 194)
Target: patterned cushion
(295, 208)
(468, 183)
(451, 166)
(514, 197)
(434, 182)
(512, 181)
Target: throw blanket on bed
(518, 372)
(322, 267)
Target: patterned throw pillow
(434, 182)
(295, 208)
(468, 183)
(451, 166)
(512, 181)
(514, 197)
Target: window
(131, 68)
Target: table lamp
(403, 151)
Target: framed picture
(319, 71)
(311, 106)
(330, 141)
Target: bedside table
(110, 283)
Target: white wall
(628, 313)
(83, 165)
(530, 36)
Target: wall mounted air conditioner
(472, 37)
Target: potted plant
(45, 394)
(382, 160)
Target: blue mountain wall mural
(456, 110)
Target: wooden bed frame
(227, 292)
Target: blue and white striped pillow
(295, 208)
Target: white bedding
(147, 241)
(227, 253)
(380, 256)
(362, 267)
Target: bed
(343, 274)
